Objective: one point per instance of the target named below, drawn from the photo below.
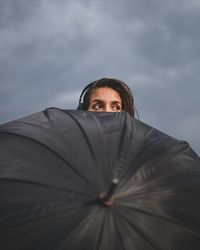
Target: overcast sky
(50, 49)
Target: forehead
(105, 93)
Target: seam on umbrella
(138, 167)
(84, 133)
(139, 231)
(45, 146)
(157, 216)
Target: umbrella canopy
(96, 181)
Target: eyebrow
(99, 100)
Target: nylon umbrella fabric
(57, 184)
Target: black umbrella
(96, 181)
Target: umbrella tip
(106, 198)
(115, 181)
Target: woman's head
(109, 95)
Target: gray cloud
(51, 49)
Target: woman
(107, 95)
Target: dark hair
(118, 85)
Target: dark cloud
(51, 49)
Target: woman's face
(105, 99)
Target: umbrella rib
(61, 228)
(43, 185)
(123, 153)
(141, 142)
(129, 191)
(86, 137)
(140, 232)
(63, 210)
(118, 232)
(84, 133)
(135, 150)
(34, 140)
(98, 241)
(45, 146)
(167, 150)
(161, 217)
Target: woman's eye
(116, 107)
(97, 106)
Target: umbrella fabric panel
(24, 159)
